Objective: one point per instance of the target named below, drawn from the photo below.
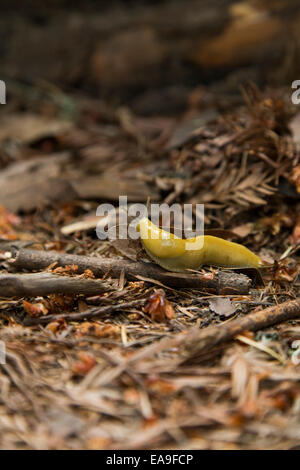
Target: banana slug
(176, 254)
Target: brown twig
(221, 282)
(30, 285)
(197, 343)
(87, 314)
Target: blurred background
(149, 54)
(107, 91)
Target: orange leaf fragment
(35, 310)
(158, 307)
(85, 364)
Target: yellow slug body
(176, 254)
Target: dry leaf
(222, 306)
(85, 364)
(158, 307)
(35, 310)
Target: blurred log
(111, 41)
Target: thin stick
(197, 343)
(261, 347)
(30, 285)
(86, 314)
(222, 282)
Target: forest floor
(107, 356)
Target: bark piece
(223, 282)
(40, 284)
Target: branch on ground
(220, 282)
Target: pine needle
(261, 347)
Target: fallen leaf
(158, 307)
(243, 230)
(222, 306)
(84, 365)
(35, 310)
(7, 221)
(54, 326)
(60, 302)
(295, 237)
(295, 177)
(69, 269)
(28, 128)
(94, 329)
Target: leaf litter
(107, 371)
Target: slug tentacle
(176, 254)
